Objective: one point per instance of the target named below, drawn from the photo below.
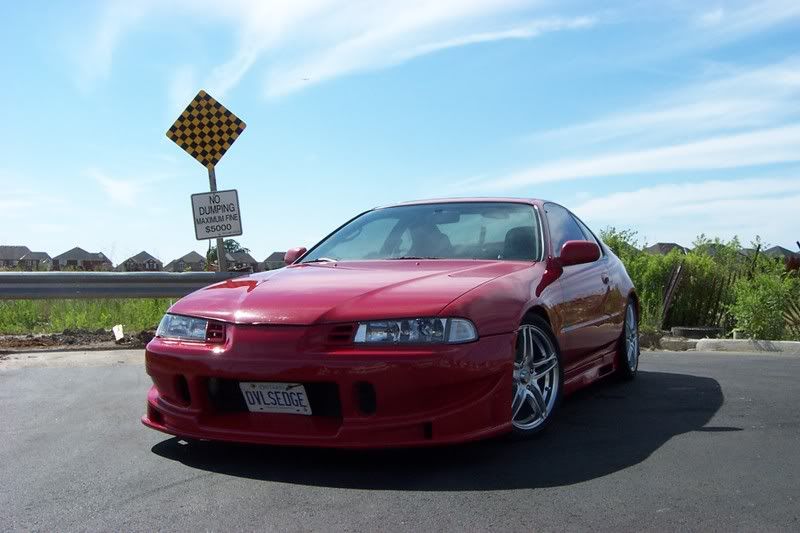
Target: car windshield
(470, 230)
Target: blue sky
(670, 118)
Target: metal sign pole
(212, 182)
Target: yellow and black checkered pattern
(206, 129)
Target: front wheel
(537, 378)
(628, 351)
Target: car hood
(342, 292)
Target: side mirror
(579, 253)
(293, 254)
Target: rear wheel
(537, 378)
(628, 351)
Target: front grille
(226, 396)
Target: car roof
(530, 201)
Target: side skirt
(603, 364)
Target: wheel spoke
(536, 401)
(527, 348)
(519, 400)
(545, 353)
(551, 363)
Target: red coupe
(422, 323)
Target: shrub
(760, 303)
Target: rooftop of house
(191, 257)
(79, 254)
(13, 253)
(665, 248)
(241, 257)
(779, 251)
(275, 257)
(142, 257)
(36, 256)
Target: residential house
(791, 259)
(191, 262)
(663, 248)
(779, 252)
(141, 262)
(10, 255)
(80, 259)
(36, 261)
(275, 260)
(242, 261)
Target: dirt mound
(74, 338)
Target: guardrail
(43, 285)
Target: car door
(614, 302)
(584, 290)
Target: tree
(231, 246)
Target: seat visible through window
(520, 244)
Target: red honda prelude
(423, 323)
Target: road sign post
(206, 130)
(222, 265)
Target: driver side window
(563, 227)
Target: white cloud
(95, 56)
(316, 40)
(742, 18)
(768, 146)
(124, 192)
(399, 41)
(748, 98)
(678, 212)
(711, 17)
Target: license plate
(275, 398)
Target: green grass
(54, 316)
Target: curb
(748, 345)
(677, 344)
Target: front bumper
(361, 397)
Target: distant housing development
(18, 257)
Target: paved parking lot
(700, 441)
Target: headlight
(188, 328)
(416, 331)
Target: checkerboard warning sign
(206, 129)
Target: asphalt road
(699, 442)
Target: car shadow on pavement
(598, 431)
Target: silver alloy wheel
(631, 338)
(536, 378)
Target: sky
(668, 118)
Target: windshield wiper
(410, 257)
(321, 260)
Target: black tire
(552, 402)
(626, 369)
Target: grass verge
(54, 316)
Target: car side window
(587, 233)
(563, 227)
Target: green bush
(708, 294)
(760, 303)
